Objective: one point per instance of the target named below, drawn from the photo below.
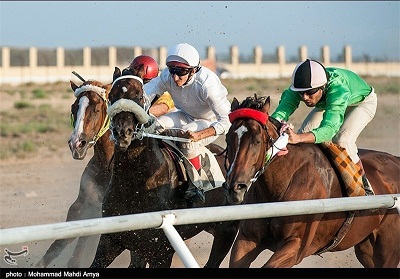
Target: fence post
(303, 53)
(5, 58)
(347, 57)
(326, 60)
(281, 60)
(177, 242)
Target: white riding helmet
(184, 54)
(307, 75)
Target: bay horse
(90, 122)
(145, 178)
(304, 173)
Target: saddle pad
(211, 174)
(350, 172)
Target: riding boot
(195, 190)
(366, 185)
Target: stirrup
(367, 186)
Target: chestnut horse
(91, 129)
(304, 173)
(145, 178)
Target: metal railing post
(177, 242)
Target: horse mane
(257, 102)
(253, 102)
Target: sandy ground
(40, 189)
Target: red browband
(249, 113)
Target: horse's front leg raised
(286, 255)
(247, 245)
(243, 253)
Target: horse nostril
(129, 132)
(241, 186)
(82, 143)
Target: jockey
(163, 104)
(343, 104)
(202, 108)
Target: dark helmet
(307, 75)
(150, 66)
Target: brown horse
(91, 129)
(304, 173)
(90, 122)
(145, 178)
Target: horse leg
(244, 252)
(107, 251)
(85, 250)
(381, 248)
(89, 207)
(162, 258)
(286, 255)
(364, 252)
(136, 261)
(54, 251)
(59, 245)
(224, 236)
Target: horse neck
(104, 149)
(145, 151)
(276, 176)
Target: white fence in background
(234, 68)
(167, 219)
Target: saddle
(209, 164)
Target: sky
(370, 27)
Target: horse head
(88, 116)
(128, 106)
(248, 139)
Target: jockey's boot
(195, 190)
(366, 185)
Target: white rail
(192, 216)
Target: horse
(91, 130)
(304, 173)
(145, 178)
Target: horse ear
(235, 104)
(117, 73)
(73, 85)
(266, 105)
(107, 87)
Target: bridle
(128, 105)
(102, 93)
(262, 119)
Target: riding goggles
(179, 71)
(310, 92)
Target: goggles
(310, 92)
(179, 71)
